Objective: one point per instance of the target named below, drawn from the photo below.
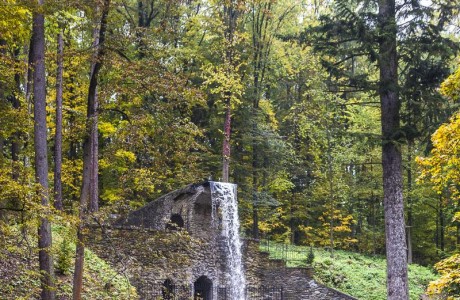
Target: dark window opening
(175, 222)
(167, 290)
(202, 289)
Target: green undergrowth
(358, 275)
(20, 279)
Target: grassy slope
(359, 275)
(19, 278)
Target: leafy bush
(310, 257)
(449, 283)
(64, 257)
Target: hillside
(358, 275)
(19, 278)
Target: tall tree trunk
(16, 136)
(93, 116)
(2, 140)
(261, 43)
(142, 24)
(255, 219)
(84, 203)
(41, 156)
(89, 192)
(230, 19)
(331, 191)
(410, 144)
(58, 134)
(255, 185)
(436, 233)
(256, 44)
(2, 145)
(255, 154)
(226, 142)
(457, 225)
(15, 142)
(94, 151)
(441, 224)
(397, 287)
(15, 154)
(29, 76)
(291, 220)
(374, 224)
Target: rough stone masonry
(172, 239)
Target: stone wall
(192, 203)
(148, 248)
(148, 257)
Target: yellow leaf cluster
(449, 283)
(442, 168)
(451, 86)
(14, 23)
(224, 81)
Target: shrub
(310, 257)
(64, 257)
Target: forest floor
(361, 276)
(20, 279)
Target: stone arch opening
(202, 289)
(175, 222)
(167, 290)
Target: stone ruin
(172, 249)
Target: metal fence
(264, 293)
(194, 292)
(288, 253)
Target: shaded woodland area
(333, 117)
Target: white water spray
(223, 196)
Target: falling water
(223, 197)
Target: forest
(339, 121)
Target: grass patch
(358, 275)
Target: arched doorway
(175, 222)
(167, 290)
(202, 289)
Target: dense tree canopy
(284, 98)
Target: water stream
(225, 207)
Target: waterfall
(223, 196)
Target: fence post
(285, 256)
(282, 294)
